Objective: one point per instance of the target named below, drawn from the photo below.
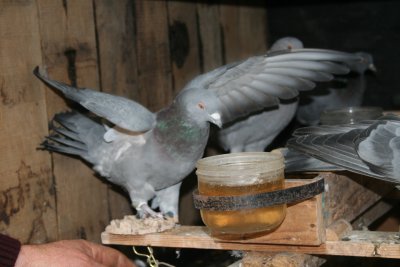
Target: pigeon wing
(336, 149)
(360, 149)
(378, 147)
(123, 112)
(263, 81)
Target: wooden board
(373, 213)
(27, 200)
(211, 46)
(377, 244)
(183, 42)
(240, 25)
(70, 55)
(153, 55)
(303, 225)
(348, 195)
(116, 42)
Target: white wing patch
(124, 147)
(111, 135)
(116, 133)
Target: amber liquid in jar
(245, 220)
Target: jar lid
(241, 168)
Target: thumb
(109, 256)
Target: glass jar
(242, 174)
(349, 115)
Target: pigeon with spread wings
(149, 154)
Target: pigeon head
(199, 105)
(366, 63)
(286, 43)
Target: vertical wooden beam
(27, 200)
(115, 30)
(70, 55)
(244, 31)
(184, 43)
(211, 46)
(153, 57)
(118, 71)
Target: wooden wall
(145, 50)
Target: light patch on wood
(130, 225)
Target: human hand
(74, 253)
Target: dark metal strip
(289, 195)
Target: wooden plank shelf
(319, 225)
(356, 243)
(303, 224)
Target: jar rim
(243, 166)
(227, 160)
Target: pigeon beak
(216, 119)
(372, 67)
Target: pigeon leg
(140, 198)
(168, 201)
(144, 211)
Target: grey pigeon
(370, 147)
(149, 154)
(255, 132)
(313, 103)
(286, 43)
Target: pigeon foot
(144, 211)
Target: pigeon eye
(201, 105)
